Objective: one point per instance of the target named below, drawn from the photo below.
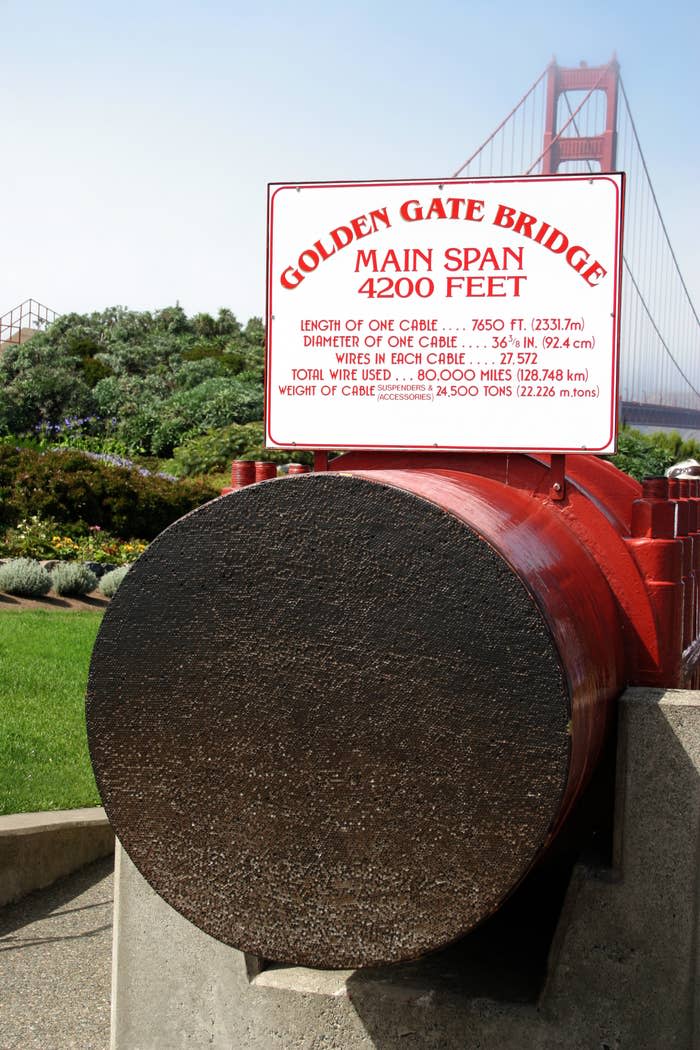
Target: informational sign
(465, 314)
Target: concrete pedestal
(622, 972)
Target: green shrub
(40, 382)
(24, 577)
(73, 578)
(109, 584)
(72, 487)
(130, 373)
(640, 455)
(671, 444)
(162, 423)
(213, 452)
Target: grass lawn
(44, 658)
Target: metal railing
(23, 321)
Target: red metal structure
(403, 680)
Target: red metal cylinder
(417, 705)
(676, 493)
(685, 486)
(265, 471)
(660, 555)
(559, 571)
(694, 500)
(242, 474)
(298, 468)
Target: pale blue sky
(138, 138)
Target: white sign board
(465, 314)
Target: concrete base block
(622, 972)
(38, 848)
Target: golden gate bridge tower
(578, 119)
(599, 148)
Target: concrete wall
(622, 971)
(38, 848)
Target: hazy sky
(138, 137)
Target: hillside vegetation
(163, 396)
(138, 382)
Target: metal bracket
(557, 476)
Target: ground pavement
(55, 964)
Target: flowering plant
(36, 537)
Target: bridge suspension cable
(535, 101)
(640, 302)
(660, 322)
